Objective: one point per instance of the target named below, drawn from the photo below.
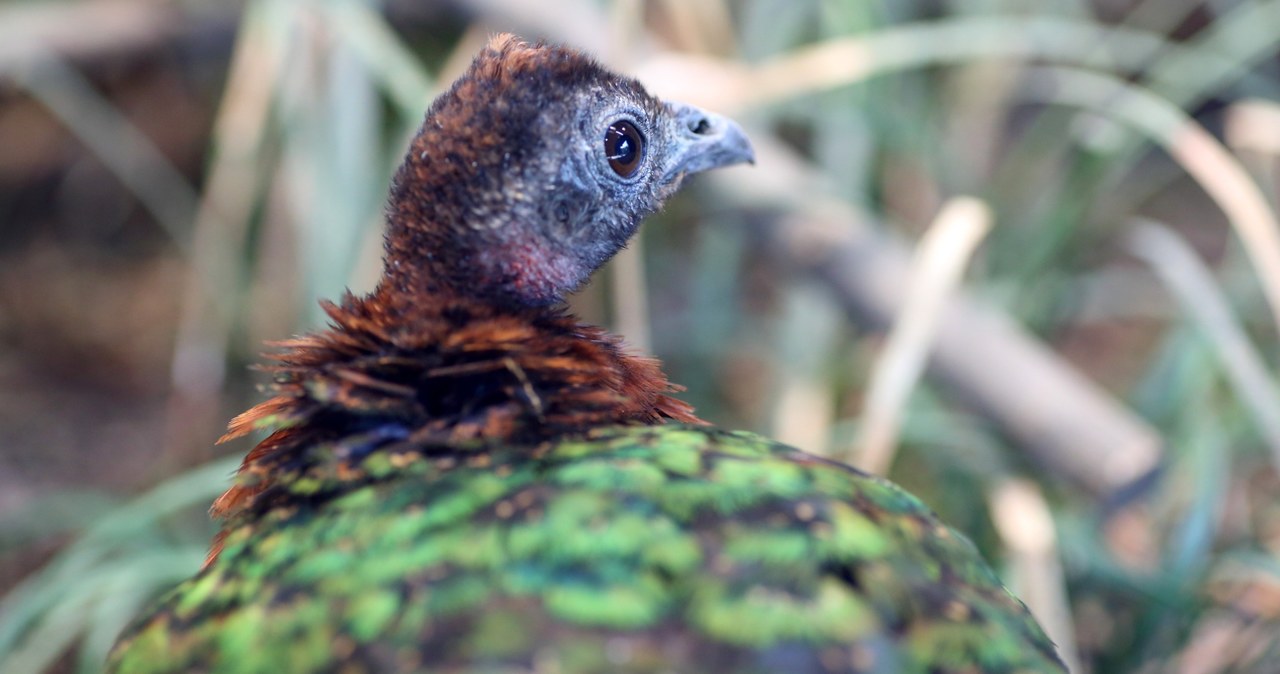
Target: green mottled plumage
(667, 549)
(463, 478)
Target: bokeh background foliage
(1020, 255)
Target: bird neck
(482, 368)
(514, 264)
(435, 370)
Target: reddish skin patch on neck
(528, 270)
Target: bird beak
(704, 141)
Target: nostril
(700, 125)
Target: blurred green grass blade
(123, 545)
(1208, 467)
(1160, 15)
(119, 603)
(1252, 560)
(1190, 281)
(196, 487)
(1218, 55)
(1180, 366)
(1198, 153)
(350, 178)
(714, 308)
(331, 125)
(1216, 59)
(56, 628)
(1087, 558)
(51, 515)
(90, 604)
(955, 441)
(848, 151)
(336, 164)
(771, 26)
(383, 53)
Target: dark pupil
(623, 147)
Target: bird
(460, 476)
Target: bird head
(534, 169)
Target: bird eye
(624, 147)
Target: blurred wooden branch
(1043, 404)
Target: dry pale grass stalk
(628, 286)
(1193, 285)
(802, 413)
(1252, 130)
(468, 45)
(729, 87)
(939, 263)
(702, 27)
(221, 224)
(1254, 125)
(805, 338)
(1023, 520)
(624, 39)
(628, 295)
